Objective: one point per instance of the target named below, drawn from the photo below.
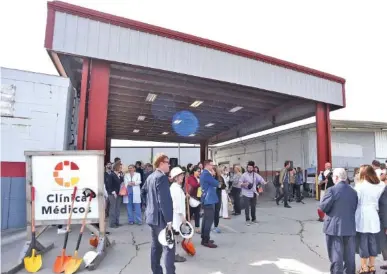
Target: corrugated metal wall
(381, 144)
(270, 154)
(130, 155)
(349, 148)
(13, 203)
(85, 37)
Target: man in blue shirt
(209, 198)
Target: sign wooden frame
(103, 244)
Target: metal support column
(203, 151)
(323, 134)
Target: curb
(10, 238)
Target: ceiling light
(151, 97)
(176, 122)
(191, 135)
(235, 109)
(209, 124)
(196, 104)
(141, 118)
(165, 133)
(136, 130)
(384, 129)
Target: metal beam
(140, 96)
(186, 140)
(196, 93)
(290, 112)
(132, 110)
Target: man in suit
(339, 204)
(113, 185)
(209, 199)
(284, 180)
(159, 213)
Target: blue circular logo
(185, 123)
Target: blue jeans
(134, 210)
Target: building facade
(353, 144)
(37, 113)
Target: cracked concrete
(283, 241)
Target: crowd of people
(356, 217)
(355, 221)
(169, 198)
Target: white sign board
(54, 179)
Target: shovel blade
(60, 262)
(33, 263)
(73, 265)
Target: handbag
(199, 192)
(123, 190)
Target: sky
(345, 38)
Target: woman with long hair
(193, 186)
(367, 219)
(236, 189)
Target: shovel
(34, 262)
(74, 263)
(187, 244)
(62, 260)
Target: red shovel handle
(32, 193)
(74, 192)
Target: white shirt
(136, 178)
(367, 218)
(226, 179)
(178, 200)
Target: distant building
(353, 143)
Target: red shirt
(193, 186)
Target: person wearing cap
(159, 214)
(178, 201)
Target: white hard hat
(193, 202)
(175, 172)
(186, 230)
(89, 257)
(166, 238)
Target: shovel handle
(69, 220)
(33, 236)
(71, 208)
(83, 224)
(32, 209)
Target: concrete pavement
(284, 241)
